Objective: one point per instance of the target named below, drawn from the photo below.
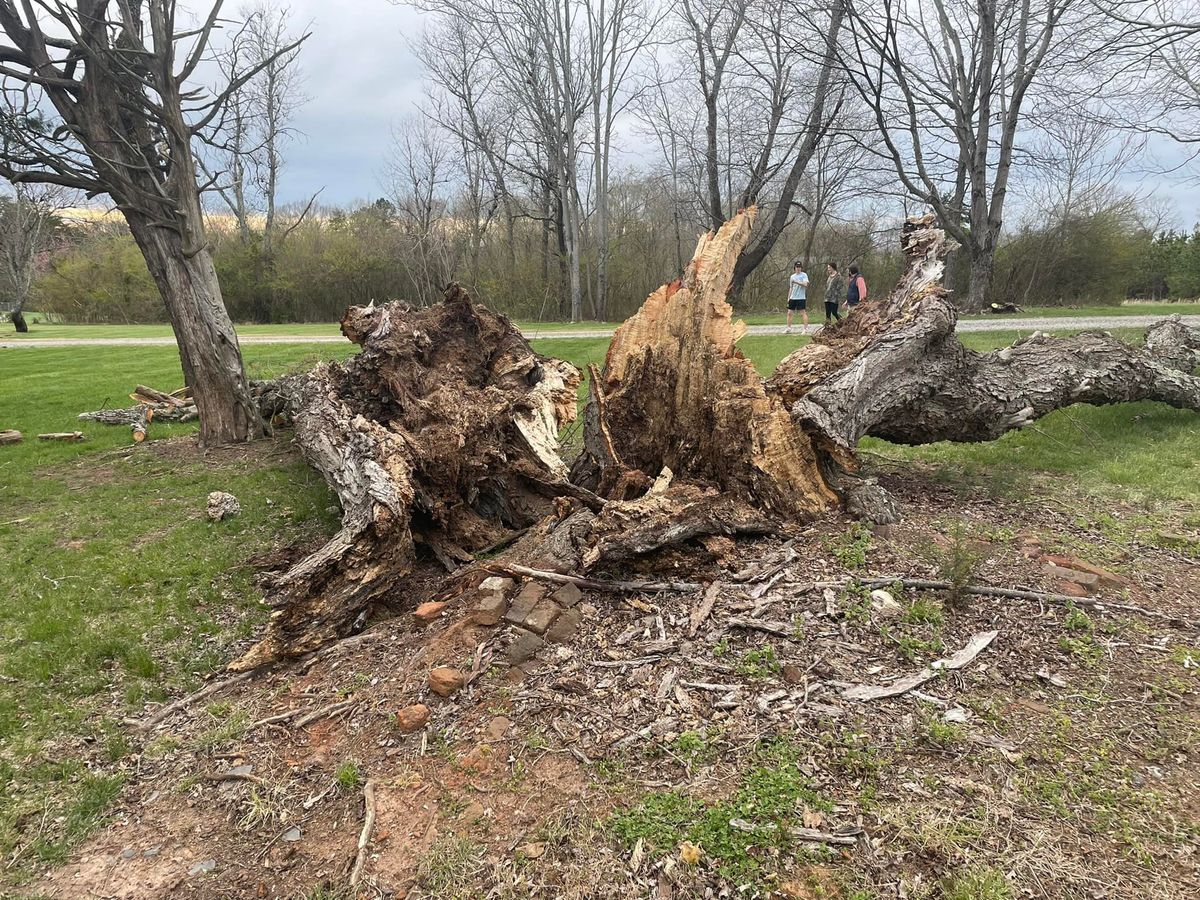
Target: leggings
(831, 311)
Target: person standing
(857, 292)
(835, 285)
(797, 296)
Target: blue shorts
(797, 303)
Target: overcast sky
(362, 77)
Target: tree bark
(437, 433)
(938, 390)
(18, 320)
(208, 345)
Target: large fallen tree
(443, 431)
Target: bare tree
(421, 182)
(770, 86)
(949, 82)
(249, 151)
(27, 219)
(116, 73)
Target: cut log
(67, 436)
(10, 436)
(430, 433)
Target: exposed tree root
(429, 433)
(442, 432)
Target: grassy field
(43, 331)
(115, 590)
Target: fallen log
(10, 436)
(66, 436)
(896, 370)
(441, 434)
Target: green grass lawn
(115, 590)
(42, 331)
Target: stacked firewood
(151, 404)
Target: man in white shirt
(798, 296)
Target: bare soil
(1063, 758)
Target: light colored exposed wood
(11, 436)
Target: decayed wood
(676, 393)
(903, 685)
(11, 436)
(430, 433)
(68, 436)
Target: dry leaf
(532, 851)
(812, 818)
(690, 853)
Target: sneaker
(788, 330)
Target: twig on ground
(779, 629)
(704, 610)
(984, 590)
(209, 689)
(904, 685)
(591, 583)
(364, 837)
(332, 709)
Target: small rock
(1105, 577)
(792, 674)
(495, 584)
(1071, 589)
(498, 727)
(1086, 579)
(490, 609)
(885, 605)
(445, 680)
(427, 612)
(527, 598)
(568, 595)
(523, 646)
(151, 852)
(128, 853)
(412, 718)
(292, 835)
(542, 616)
(564, 626)
(222, 506)
(240, 771)
(203, 868)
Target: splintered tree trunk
(677, 394)
(208, 344)
(441, 432)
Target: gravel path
(1080, 323)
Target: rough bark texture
(896, 370)
(443, 431)
(432, 434)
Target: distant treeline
(328, 262)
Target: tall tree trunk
(18, 320)
(208, 345)
(983, 267)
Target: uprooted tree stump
(443, 431)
